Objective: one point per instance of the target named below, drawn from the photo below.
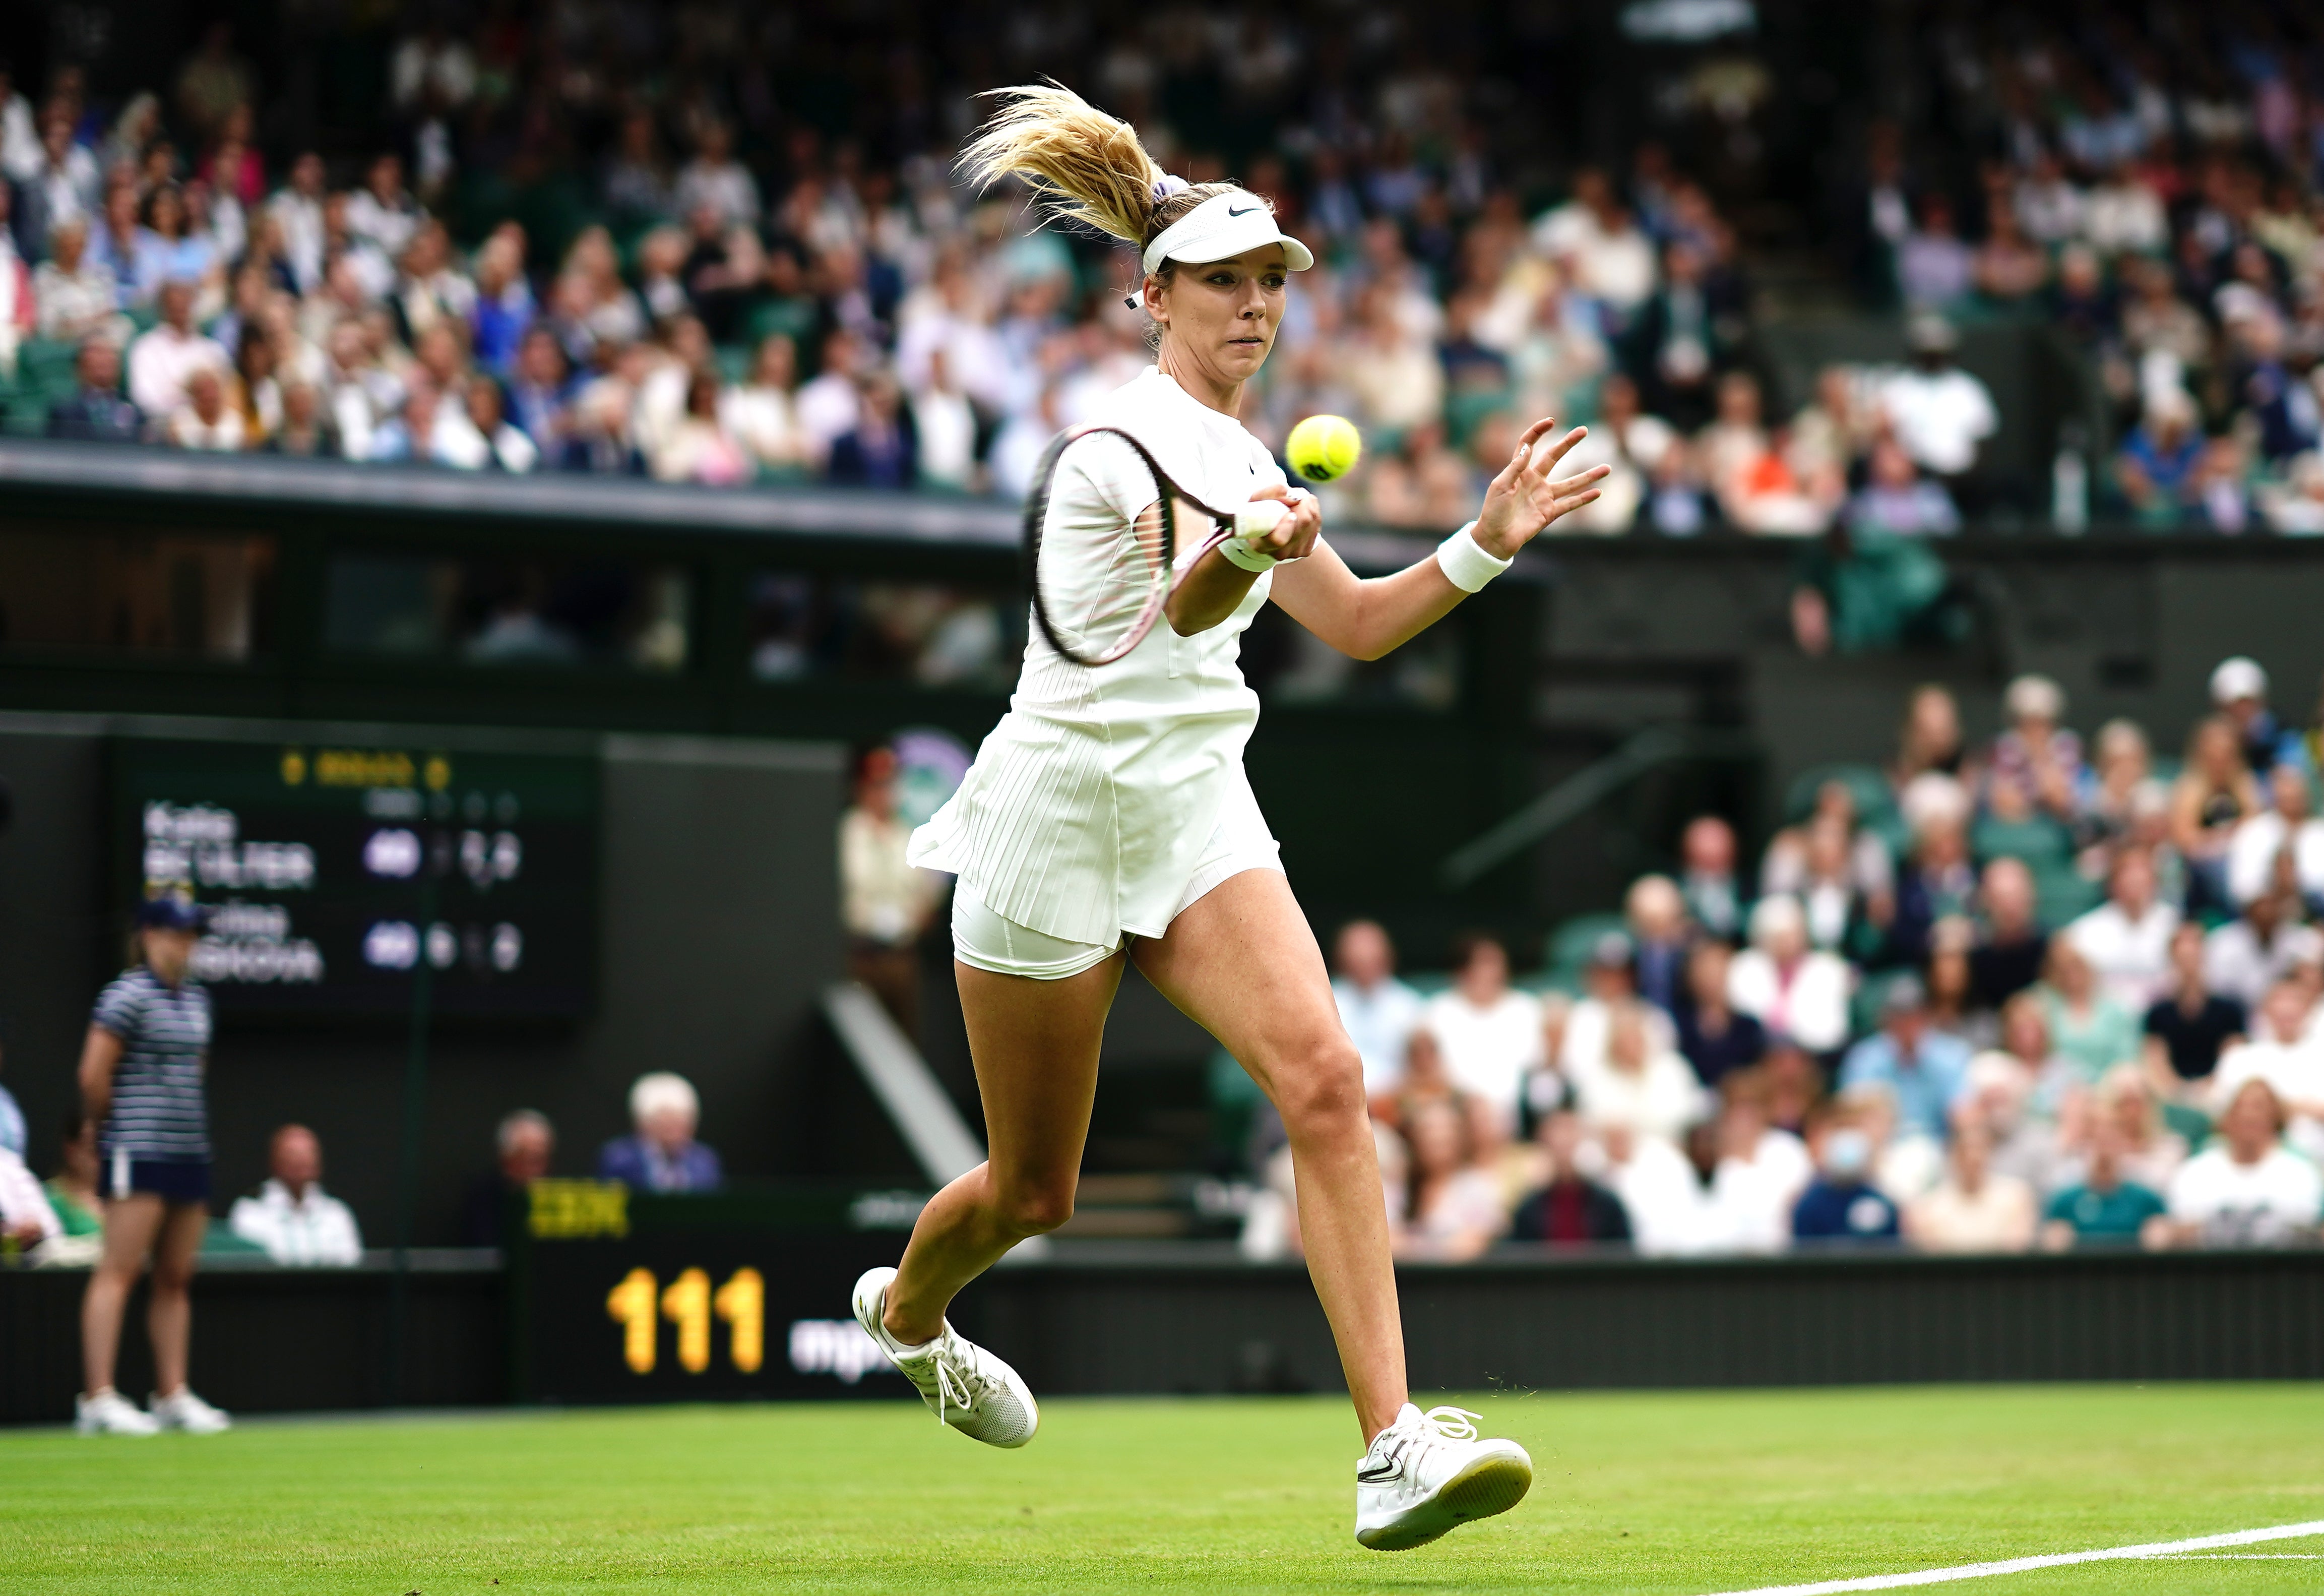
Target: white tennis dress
(1110, 798)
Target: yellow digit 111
(688, 1303)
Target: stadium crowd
(731, 296)
(2037, 993)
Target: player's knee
(1323, 1088)
(1036, 1210)
(171, 1278)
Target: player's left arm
(1367, 618)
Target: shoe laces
(959, 1380)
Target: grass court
(1666, 1492)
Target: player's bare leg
(1242, 964)
(1035, 1044)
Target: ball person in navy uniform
(141, 1081)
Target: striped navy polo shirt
(158, 1108)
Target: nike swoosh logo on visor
(1245, 211)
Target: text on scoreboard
(334, 873)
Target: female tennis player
(1108, 818)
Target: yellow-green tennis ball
(1325, 449)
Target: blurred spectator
(1940, 413)
(27, 1222)
(1937, 880)
(716, 179)
(1973, 1209)
(2007, 955)
(2239, 691)
(2282, 1053)
(1897, 500)
(1761, 1171)
(1707, 877)
(1491, 1035)
(162, 359)
(95, 413)
(881, 449)
(1713, 1037)
(1608, 981)
(662, 1155)
(1633, 446)
(2128, 938)
(1596, 238)
(2248, 955)
(289, 1215)
(1923, 1068)
(1788, 987)
(1454, 1210)
(1656, 911)
(1569, 1209)
(73, 295)
(1841, 1204)
(73, 1193)
(699, 448)
(2125, 765)
(2155, 468)
(2214, 794)
(1934, 267)
(2187, 1029)
(2090, 1029)
(523, 1148)
(2281, 845)
(203, 420)
(885, 903)
(2038, 753)
(2104, 1207)
(1378, 1012)
(1636, 1084)
(1930, 741)
(2248, 1189)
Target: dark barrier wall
(1803, 1321)
(717, 920)
(1145, 1325)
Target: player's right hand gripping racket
(1107, 537)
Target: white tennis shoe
(183, 1410)
(964, 1385)
(109, 1413)
(1428, 1473)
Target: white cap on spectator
(2034, 696)
(1774, 914)
(1932, 797)
(661, 1093)
(2238, 677)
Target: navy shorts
(173, 1180)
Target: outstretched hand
(1523, 499)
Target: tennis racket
(1102, 556)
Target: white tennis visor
(1224, 226)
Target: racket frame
(1036, 513)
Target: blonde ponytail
(1086, 166)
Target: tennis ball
(1325, 449)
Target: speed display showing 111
(336, 871)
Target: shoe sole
(1490, 1485)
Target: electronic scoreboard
(334, 870)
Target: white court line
(1979, 1571)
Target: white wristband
(1465, 563)
(1254, 520)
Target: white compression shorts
(983, 939)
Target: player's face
(1224, 314)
